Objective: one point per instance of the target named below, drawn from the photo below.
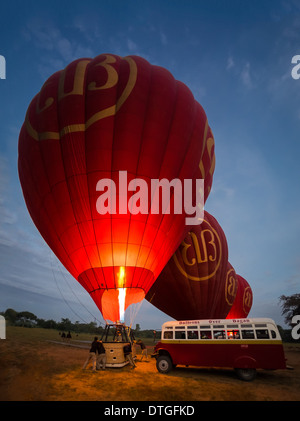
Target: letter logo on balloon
(203, 249)
(247, 300)
(231, 285)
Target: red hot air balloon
(193, 285)
(91, 123)
(207, 164)
(243, 300)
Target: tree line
(30, 320)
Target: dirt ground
(34, 369)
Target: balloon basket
(114, 338)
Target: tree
(11, 315)
(26, 318)
(65, 324)
(290, 307)
(47, 324)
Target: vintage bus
(242, 344)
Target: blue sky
(235, 56)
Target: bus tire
(164, 364)
(246, 374)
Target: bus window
(233, 334)
(205, 334)
(247, 334)
(273, 334)
(168, 335)
(219, 334)
(262, 334)
(193, 334)
(180, 334)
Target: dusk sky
(236, 57)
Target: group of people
(66, 337)
(97, 354)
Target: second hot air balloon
(195, 284)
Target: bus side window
(180, 334)
(233, 334)
(168, 335)
(193, 334)
(262, 334)
(205, 334)
(247, 334)
(219, 334)
(273, 334)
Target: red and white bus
(242, 344)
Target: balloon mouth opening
(115, 288)
(114, 302)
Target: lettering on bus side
(241, 321)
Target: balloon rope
(62, 274)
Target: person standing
(128, 355)
(101, 359)
(94, 353)
(143, 348)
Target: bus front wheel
(246, 374)
(164, 364)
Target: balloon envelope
(243, 300)
(95, 120)
(194, 283)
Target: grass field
(33, 369)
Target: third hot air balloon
(243, 301)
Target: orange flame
(122, 292)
